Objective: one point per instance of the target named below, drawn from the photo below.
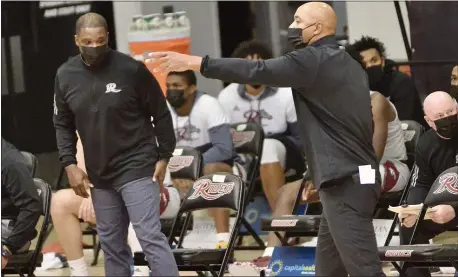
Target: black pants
(346, 239)
(426, 231)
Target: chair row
(410, 255)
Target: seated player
(67, 209)
(21, 205)
(388, 142)
(200, 122)
(437, 151)
(272, 108)
(397, 86)
(454, 83)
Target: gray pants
(346, 239)
(136, 202)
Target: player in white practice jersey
(200, 122)
(273, 108)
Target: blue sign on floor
(255, 211)
(292, 261)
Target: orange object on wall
(181, 45)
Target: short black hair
(252, 47)
(367, 42)
(90, 20)
(188, 75)
(355, 55)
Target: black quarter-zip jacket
(111, 107)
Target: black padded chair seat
(419, 253)
(184, 256)
(292, 224)
(198, 256)
(22, 258)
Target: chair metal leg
(96, 254)
(239, 241)
(283, 239)
(253, 233)
(212, 271)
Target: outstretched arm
(295, 69)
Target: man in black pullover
(437, 151)
(21, 205)
(110, 99)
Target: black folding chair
(411, 136)
(25, 263)
(219, 190)
(32, 162)
(186, 163)
(443, 191)
(295, 225)
(248, 139)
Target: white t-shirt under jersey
(192, 130)
(275, 111)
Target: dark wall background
(433, 33)
(38, 46)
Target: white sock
(223, 237)
(268, 252)
(78, 267)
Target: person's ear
(192, 89)
(318, 28)
(76, 41)
(430, 123)
(383, 61)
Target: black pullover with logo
(111, 106)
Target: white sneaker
(140, 272)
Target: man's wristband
(204, 63)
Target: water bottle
(140, 24)
(134, 25)
(182, 19)
(169, 20)
(155, 22)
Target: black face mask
(175, 97)
(255, 86)
(295, 37)
(454, 92)
(94, 55)
(447, 127)
(375, 74)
